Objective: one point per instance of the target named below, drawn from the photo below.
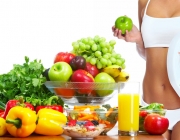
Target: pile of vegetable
(26, 80)
(21, 121)
(152, 119)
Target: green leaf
(153, 106)
(35, 82)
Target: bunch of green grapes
(98, 51)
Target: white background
(40, 29)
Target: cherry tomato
(143, 113)
(155, 124)
(64, 56)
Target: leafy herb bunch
(26, 80)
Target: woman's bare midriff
(156, 85)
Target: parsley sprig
(26, 80)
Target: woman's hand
(133, 36)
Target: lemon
(3, 129)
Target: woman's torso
(156, 85)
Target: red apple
(83, 76)
(63, 57)
(92, 69)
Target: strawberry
(89, 126)
(72, 123)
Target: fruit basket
(89, 118)
(74, 93)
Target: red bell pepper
(1, 114)
(12, 103)
(1, 109)
(49, 105)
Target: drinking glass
(128, 108)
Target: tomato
(65, 93)
(64, 56)
(155, 124)
(143, 113)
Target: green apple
(104, 78)
(124, 23)
(60, 71)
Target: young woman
(159, 22)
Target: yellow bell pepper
(3, 129)
(20, 121)
(50, 122)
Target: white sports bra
(158, 32)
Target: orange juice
(128, 112)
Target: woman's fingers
(113, 28)
(120, 35)
(117, 33)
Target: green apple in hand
(60, 71)
(124, 23)
(104, 78)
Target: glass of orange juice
(128, 108)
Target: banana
(122, 77)
(113, 70)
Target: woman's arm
(139, 43)
(134, 35)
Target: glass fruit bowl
(74, 93)
(79, 132)
(103, 116)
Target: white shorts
(172, 115)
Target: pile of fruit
(98, 52)
(92, 60)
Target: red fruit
(81, 76)
(65, 93)
(143, 113)
(92, 69)
(89, 126)
(64, 57)
(84, 77)
(72, 123)
(155, 124)
(78, 62)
